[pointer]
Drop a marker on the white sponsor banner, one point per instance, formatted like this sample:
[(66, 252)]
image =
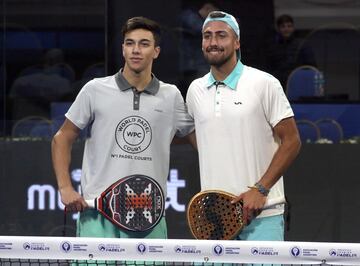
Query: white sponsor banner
[(179, 250)]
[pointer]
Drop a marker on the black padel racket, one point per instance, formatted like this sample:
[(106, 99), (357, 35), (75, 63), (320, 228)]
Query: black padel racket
[(211, 215), (134, 203)]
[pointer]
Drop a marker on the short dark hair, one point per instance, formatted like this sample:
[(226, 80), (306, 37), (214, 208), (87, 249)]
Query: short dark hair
[(284, 19), (142, 23)]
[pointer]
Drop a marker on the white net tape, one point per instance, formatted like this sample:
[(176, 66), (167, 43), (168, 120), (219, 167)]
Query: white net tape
[(177, 251)]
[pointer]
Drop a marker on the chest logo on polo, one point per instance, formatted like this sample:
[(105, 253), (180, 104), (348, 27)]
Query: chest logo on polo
[(133, 134)]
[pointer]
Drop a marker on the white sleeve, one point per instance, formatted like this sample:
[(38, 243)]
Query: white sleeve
[(184, 122), (189, 100), (275, 103), (81, 111)]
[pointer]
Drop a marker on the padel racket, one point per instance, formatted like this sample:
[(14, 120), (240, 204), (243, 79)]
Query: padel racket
[(211, 215), (134, 203)]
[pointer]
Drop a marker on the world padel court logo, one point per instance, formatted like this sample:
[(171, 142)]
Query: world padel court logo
[(133, 134)]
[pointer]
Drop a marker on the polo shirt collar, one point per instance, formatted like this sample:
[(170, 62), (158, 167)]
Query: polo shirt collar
[(231, 80), (152, 88)]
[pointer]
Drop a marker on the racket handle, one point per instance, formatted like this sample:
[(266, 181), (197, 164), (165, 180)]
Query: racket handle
[(91, 203), (271, 203)]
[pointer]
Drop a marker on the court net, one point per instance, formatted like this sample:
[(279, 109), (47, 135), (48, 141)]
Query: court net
[(21, 250)]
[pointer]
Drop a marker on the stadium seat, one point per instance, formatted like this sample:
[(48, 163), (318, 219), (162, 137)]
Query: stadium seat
[(304, 82), (330, 129), (308, 130), (32, 126)]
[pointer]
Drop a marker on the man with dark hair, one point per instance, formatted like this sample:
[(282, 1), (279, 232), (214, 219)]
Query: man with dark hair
[(285, 26), (145, 24), (286, 51), (103, 104), (245, 130)]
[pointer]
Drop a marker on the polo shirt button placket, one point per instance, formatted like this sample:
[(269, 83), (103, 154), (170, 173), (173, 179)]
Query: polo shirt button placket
[(218, 102), (136, 99)]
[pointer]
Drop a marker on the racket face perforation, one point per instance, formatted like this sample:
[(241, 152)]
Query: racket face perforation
[(211, 215), (134, 203)]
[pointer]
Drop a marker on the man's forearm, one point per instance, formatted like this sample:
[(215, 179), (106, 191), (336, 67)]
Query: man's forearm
[(61, 157), (281, 161)]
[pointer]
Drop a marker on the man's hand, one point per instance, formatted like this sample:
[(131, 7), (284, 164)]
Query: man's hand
[(72, 200), (253, 203)]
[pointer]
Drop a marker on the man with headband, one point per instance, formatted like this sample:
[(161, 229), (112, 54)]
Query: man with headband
[(245, 130)]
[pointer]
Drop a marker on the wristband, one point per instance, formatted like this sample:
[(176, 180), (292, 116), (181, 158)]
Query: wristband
[(264, 191)]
